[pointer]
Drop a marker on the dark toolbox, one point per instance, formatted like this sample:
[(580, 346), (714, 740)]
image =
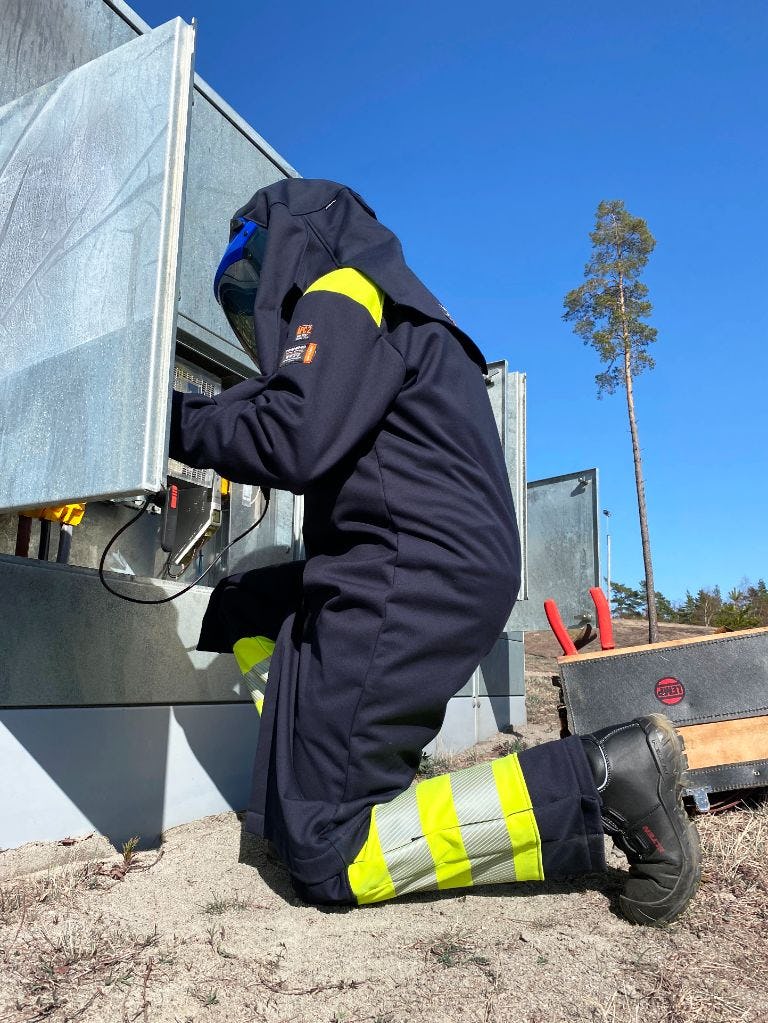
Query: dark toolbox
[(714, 689)]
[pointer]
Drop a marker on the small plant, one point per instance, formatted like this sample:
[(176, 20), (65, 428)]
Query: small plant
[(220, 904), (448, 951), (123, 979), (215, 938), (515, 744), (456, 948), (129, 849), (207, 998), (12, 901), (433, 765)]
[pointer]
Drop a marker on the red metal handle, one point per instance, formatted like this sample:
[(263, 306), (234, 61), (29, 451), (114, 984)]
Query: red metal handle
[(604, 624), (556, 624)]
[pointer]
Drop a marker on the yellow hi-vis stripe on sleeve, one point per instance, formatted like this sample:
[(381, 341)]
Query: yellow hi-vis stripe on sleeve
[(251, 650), (354, 285), (443, 833), (368, 876), (521, 822)]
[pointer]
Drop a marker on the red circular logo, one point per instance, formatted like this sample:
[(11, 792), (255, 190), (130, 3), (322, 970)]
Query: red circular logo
[(670, 691)]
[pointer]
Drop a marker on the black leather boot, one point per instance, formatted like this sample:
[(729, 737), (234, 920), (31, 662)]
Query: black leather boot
[(639, 771)]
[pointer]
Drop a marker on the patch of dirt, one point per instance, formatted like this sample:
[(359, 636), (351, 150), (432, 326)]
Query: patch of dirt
[(211, 931)]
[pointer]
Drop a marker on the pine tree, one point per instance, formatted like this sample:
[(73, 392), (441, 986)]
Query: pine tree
[(626, 602), (607, 312)]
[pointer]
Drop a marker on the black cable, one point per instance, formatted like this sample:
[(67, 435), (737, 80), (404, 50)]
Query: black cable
[(165, 600), (65, 544), (44, 550)]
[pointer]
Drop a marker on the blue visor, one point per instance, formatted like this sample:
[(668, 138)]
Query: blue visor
[(237, 281)]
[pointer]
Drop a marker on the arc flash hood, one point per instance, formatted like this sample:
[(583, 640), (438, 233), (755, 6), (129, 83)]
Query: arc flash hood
[(313, 227)]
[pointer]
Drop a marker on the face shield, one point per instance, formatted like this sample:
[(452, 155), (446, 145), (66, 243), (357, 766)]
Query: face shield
[(237, 280)]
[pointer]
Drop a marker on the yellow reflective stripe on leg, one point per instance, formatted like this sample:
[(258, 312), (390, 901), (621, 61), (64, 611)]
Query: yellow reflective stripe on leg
[(355, 285), (252, 650), (521, 822), (368, 876), (443, 833)]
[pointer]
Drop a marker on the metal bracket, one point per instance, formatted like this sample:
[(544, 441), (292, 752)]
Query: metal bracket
[(700, 797)]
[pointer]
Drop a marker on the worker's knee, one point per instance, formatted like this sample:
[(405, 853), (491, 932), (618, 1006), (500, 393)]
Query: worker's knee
[(334, 891)]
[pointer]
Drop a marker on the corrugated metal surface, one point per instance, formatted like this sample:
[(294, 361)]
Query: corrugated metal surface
[(91, 196)]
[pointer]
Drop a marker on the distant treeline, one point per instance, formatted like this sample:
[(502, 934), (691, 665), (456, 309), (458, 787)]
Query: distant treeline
[(745, 607)]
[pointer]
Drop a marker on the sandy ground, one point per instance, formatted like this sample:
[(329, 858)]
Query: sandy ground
[(208, 929)]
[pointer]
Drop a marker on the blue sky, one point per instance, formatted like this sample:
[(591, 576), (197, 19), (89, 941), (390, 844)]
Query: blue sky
[(485, 134)]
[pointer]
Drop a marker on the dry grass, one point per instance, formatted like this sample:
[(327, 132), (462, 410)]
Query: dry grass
[(56, 961), (445, 762), (710, 966), (61, 967)]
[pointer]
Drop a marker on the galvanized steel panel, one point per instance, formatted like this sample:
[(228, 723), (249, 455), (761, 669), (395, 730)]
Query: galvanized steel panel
[(563, 550), (105, 651), (41, 40), (507, 395), (224, 171), (471, 719), (91, 193), (227, 160), (501, 671), (121, 771), (270, 543)]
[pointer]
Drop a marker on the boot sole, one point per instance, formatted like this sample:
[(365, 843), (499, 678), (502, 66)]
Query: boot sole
[(668, 750)]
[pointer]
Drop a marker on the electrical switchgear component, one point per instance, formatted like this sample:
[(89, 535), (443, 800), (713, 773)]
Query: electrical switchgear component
[(190, 380), (192, 510), (197, 519)]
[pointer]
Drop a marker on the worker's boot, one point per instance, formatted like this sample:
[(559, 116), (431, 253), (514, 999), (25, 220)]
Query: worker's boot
[(639, 772)]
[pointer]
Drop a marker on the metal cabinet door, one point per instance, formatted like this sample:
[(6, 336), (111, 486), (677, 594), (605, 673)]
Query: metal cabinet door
[(563, 550), (92, 172)]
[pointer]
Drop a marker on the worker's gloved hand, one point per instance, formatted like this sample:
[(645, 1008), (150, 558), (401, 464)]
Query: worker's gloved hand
[(639, 771)]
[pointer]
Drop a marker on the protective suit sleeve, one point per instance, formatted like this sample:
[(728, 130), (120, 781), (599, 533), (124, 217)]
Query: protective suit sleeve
[(337, 376)]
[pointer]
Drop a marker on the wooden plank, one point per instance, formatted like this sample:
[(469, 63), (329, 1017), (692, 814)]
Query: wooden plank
[(645, 647), (726, 742)]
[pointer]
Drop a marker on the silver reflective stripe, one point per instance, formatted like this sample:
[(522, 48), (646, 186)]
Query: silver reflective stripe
[(483, 826), (403, 845), (256, 681), (261, 670)]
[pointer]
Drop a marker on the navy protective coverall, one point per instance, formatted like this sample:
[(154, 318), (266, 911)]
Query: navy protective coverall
[(372, 403)]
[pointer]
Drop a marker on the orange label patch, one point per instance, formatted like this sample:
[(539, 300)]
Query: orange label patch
[(310, 352), (303, 331)]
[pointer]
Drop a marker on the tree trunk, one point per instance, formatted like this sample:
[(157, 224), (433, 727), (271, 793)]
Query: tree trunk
[(650, 589)]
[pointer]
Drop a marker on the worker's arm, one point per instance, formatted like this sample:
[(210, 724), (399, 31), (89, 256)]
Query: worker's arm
[(321, 402), (244, 389)]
